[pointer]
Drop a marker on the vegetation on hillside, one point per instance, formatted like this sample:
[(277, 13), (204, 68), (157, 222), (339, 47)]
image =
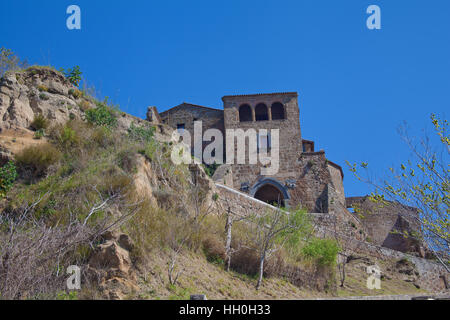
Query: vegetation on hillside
[(60, 196)]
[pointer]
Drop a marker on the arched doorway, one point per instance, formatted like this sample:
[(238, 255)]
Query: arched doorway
[(272, 192), (270, 195)]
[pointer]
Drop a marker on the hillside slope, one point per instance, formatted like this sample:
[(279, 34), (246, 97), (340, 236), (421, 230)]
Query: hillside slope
[(97, 188)]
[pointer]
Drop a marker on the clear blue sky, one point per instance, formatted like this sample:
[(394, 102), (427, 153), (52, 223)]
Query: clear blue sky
[(356, 86)]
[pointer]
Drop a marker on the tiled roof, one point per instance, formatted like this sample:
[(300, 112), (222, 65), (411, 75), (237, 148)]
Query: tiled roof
[(190, 105), (261, 94)]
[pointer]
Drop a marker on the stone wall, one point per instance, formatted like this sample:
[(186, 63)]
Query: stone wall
[(240, 203), (289, 135), (432, 276), (386, 224), (187, 114)]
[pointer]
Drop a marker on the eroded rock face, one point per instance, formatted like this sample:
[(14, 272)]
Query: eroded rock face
[(112, 266), (45, 91), (38, 90)]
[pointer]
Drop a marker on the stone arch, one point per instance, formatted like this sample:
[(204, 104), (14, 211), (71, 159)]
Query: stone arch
[(271, 191), (245, 113), (278, 112), (261, 112)]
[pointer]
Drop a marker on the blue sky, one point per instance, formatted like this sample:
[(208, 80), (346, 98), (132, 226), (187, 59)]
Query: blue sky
[(356, 85)]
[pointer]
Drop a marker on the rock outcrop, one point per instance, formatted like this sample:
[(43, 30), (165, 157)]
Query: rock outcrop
[(112, 268)]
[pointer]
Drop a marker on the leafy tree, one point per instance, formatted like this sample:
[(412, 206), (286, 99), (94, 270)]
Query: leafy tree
[(9, 61), (275, 229), (322, 251), (421, 182)]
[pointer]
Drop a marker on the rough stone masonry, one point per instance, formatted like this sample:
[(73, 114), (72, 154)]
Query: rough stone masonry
[(306, 178)]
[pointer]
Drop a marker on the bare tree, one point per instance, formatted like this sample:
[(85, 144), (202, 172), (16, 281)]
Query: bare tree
[(423, 183), (32, 253)]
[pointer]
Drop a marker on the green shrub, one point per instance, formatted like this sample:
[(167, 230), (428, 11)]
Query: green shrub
[(211, 169), (73, 75), (39, 122), (68, 137), (36, 160), (321, 251), (77, 94), (102, 116), (127, 161), (43, 96), (42, 88), (102, 137), (39, 134), (8, 175), (144, 134), (214, 249), (84, 105)]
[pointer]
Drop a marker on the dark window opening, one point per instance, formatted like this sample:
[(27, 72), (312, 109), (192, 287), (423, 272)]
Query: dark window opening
[(278, 111), (180, 126), (271, 195), (245, 113), (261, 112)]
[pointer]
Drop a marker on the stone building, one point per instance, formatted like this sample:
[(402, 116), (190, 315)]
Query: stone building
[(305, 177)]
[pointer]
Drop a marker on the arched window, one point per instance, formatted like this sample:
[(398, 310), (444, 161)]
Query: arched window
[(261, 112), (278, 111), (245, 113)]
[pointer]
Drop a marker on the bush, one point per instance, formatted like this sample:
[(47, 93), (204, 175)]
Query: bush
[(42, 88), (73, 75), (127, 161), (36, 160), (143, 134), (43, 96), (39, 134), (84, 105), (68, 137), (214, 250), (39, 123), (101, 116), (211, 169), (8, 175), (323, 252), (75, 93), (9, 61), (102, 137)]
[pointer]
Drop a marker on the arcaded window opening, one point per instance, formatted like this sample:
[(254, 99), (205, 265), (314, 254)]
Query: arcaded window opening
[(261, 112), (278, 111), (245, 113)]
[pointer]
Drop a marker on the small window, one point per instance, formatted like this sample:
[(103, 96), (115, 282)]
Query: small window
[(245, 113), (180, 127), (261, 112), (278, 111)]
